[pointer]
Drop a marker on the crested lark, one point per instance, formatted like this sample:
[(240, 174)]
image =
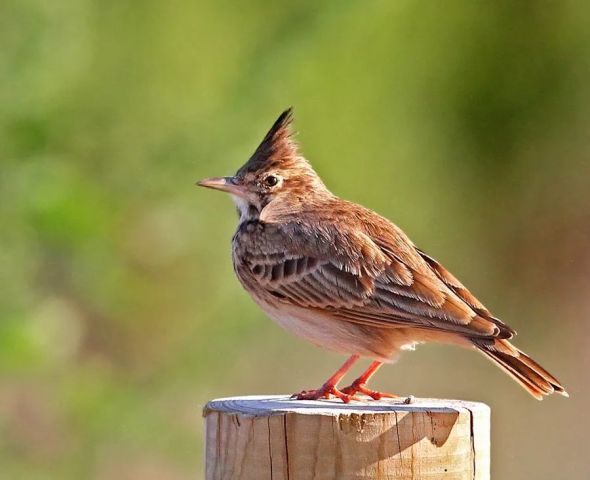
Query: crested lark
[(347, 279)]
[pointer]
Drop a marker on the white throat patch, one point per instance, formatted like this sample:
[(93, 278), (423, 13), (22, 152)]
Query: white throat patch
[(243, 207)]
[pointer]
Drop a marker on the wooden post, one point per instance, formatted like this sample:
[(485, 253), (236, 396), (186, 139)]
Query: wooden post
[(276, 438)]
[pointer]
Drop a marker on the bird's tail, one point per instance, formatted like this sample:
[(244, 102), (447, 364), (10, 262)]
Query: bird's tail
[(528, 373)]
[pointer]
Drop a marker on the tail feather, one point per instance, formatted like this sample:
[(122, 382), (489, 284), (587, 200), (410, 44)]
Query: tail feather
[(528, 373)]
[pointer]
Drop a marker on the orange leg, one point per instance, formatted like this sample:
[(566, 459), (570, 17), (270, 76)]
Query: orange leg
[(329, 388), (360, 384)]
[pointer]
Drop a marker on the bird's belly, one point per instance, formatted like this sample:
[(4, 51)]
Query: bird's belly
[(336, 334)]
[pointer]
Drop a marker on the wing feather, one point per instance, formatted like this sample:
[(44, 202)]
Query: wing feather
[(376, 278)]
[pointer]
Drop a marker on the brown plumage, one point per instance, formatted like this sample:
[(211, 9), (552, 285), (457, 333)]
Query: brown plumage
[(347, 279)]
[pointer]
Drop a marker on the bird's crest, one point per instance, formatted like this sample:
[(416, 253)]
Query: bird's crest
[(277, 146)]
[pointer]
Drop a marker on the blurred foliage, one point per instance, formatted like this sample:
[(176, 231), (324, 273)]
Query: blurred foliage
[(465, 122)]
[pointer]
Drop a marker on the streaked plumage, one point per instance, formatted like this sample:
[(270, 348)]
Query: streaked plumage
[(347, 279)]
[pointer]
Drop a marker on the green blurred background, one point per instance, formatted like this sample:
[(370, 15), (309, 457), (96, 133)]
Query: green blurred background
[(467, 123)]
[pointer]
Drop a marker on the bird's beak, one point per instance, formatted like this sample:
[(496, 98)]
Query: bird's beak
[(225, 184)]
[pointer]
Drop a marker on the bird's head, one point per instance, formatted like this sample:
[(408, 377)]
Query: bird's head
[(275, 173)]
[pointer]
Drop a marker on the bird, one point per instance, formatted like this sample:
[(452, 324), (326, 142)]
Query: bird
[(349, 280)]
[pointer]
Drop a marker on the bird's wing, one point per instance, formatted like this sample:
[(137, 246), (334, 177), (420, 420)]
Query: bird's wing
[(376, 278)]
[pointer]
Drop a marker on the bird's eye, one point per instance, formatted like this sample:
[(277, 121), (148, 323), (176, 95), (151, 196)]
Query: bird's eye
[(271, 181)]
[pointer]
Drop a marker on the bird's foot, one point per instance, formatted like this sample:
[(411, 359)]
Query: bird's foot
[(360, 387), (326, 391)]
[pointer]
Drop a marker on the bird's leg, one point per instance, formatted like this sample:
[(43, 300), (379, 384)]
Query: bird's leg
[(329, 388), (360, 384)]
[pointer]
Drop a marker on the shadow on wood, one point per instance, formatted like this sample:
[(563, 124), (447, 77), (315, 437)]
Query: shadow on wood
[(278, 438)]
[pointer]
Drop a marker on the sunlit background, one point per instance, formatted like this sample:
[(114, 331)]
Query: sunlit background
[(467, 123)]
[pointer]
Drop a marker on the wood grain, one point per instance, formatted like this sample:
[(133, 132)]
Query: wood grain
[(276, 438)]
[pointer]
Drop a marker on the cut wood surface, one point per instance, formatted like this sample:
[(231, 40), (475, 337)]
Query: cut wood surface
[(277, 438)]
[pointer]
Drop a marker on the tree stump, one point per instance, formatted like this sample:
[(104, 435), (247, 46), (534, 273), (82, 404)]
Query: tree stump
[(277, 438)]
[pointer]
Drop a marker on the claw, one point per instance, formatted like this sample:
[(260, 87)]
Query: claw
[(359, 387), (326, 391)]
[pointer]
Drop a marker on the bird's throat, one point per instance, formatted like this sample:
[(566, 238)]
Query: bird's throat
[(246, 210)]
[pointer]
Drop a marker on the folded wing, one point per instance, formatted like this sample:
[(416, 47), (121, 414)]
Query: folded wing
[(376, 280)]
